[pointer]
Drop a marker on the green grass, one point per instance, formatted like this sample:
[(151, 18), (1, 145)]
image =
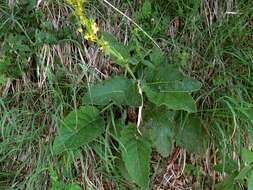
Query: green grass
[(46, 68)]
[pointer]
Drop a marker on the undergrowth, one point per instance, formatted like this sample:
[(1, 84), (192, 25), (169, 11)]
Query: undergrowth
[(126, 94)]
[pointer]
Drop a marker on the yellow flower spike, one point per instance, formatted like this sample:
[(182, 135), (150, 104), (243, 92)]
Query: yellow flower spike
[(90, 26), (90, 37), (94, 28), (83, 20)]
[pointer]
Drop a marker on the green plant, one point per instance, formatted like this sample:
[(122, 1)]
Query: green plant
[(152, 81)]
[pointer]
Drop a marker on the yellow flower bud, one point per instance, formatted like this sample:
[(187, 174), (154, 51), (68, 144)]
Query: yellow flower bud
[(90, 37), (95, 28), (80, 30)]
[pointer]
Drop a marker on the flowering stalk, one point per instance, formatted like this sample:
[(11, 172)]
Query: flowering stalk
[(91, 30)]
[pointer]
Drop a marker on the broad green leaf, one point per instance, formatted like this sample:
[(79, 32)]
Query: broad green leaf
[(119, 90), (247, 156), (244, 172), (227, 183), (161, 137), (192, 136), (250, 181), (163, 72), (160, 131), (173, 100), (157, 57), (118, 51), (148, 64), (186, 84), (121, 169), (79, 128), (136, 153), (168, 78), (72, 186)]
